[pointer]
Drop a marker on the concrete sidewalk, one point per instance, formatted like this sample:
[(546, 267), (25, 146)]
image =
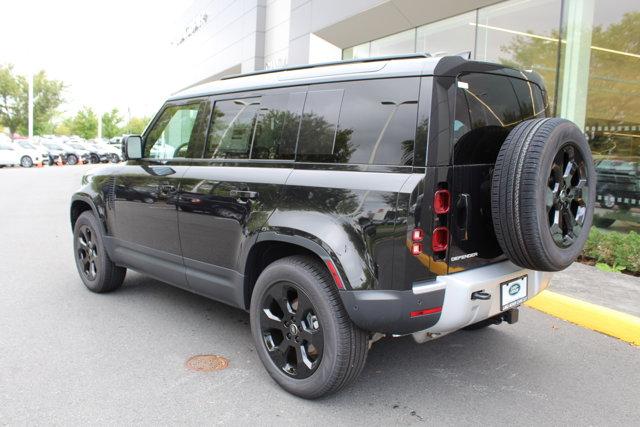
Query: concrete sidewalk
[(616, 291)]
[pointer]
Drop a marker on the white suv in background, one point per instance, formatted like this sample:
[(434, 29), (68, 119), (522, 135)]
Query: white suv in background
[(29, 153), (8, 155)]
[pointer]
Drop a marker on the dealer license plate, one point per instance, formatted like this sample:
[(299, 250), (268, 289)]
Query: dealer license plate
[(513, 293)]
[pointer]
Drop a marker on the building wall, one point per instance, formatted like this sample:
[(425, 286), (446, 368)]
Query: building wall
[(586, 50)]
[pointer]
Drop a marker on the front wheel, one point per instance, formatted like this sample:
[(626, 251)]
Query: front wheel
[(26, 162), (94, 159), (115, 158), (72, 159), (98, 273), (303, 335)]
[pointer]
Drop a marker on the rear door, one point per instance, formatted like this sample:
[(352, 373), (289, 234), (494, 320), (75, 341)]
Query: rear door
[(487, 107), (230, 192)]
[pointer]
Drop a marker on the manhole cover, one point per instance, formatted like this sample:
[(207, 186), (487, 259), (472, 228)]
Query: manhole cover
[(207, 363)]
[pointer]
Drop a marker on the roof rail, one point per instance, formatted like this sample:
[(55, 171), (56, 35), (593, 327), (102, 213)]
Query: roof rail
[(325, 64)]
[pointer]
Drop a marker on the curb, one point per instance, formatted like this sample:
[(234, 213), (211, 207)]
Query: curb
[(601, 319)]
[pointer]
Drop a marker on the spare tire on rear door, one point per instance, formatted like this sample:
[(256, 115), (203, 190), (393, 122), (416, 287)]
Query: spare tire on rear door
[(542, 194)]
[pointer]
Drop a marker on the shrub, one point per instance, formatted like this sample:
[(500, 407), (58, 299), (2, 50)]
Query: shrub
[(617, 250)]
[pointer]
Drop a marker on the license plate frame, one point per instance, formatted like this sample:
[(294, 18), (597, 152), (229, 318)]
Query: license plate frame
[(509, 298)]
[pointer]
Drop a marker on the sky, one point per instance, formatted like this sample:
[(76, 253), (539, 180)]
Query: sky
[(112, 53)]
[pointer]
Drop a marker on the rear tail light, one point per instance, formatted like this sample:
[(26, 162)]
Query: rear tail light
[(441, 202), (440, 239), (417, 236), (417, 248)]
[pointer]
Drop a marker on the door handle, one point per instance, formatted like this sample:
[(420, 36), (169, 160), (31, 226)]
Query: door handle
[(243, 194)]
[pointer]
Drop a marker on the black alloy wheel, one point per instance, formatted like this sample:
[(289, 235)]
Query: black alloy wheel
[(291, 331), (567, 195), (303, 335), (87, 252), (98, 273)]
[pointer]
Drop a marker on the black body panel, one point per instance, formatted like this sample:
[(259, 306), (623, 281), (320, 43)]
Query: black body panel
[(206, 224)]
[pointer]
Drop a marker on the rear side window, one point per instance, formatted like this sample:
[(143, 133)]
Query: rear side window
[(487, 107), (231, 129), (318, 140), (364, 122), (277, 126)]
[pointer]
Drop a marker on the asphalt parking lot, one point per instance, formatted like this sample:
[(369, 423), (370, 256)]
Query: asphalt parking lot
[(68, 356)]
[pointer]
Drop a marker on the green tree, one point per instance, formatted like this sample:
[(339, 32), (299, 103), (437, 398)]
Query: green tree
[(14, 98), (64, 127), (85, 123), (47, 98), (136, 125), (13, 111), (111, 122)]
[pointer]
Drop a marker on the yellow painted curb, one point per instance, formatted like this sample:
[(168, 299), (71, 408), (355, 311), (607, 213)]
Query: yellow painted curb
[(610, 322)]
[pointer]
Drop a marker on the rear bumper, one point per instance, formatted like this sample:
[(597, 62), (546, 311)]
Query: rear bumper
[(459, 310), (389, 312)]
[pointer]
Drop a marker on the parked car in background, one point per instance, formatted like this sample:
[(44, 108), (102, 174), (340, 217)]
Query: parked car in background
[(9, 156), (29, 154), (95, 155), (55, 152), (113, 153), (75, 154), (617, 191)]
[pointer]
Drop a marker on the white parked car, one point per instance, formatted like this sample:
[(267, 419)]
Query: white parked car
[(9, 156), (113, 153), (30, 154)]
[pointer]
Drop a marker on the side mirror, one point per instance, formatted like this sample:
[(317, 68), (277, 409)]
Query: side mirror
[(132, 147)]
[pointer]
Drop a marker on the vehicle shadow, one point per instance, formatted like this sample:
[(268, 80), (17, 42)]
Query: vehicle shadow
[(453, 367)]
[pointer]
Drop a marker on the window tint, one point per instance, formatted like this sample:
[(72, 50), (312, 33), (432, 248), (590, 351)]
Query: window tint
[(365, 122), (487, 107), (379, 119), (318, 142), (277, 127), (231, 130), (179, 129)]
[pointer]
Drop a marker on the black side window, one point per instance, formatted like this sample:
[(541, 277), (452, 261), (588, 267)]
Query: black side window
[(487, 107), (231, 129), (379, 117), (178, 132), (364, 122), (277, 127), (318, 142)]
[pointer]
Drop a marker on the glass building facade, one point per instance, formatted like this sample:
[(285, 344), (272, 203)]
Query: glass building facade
[(588, 52)]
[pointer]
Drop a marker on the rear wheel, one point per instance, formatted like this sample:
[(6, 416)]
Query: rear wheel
[(98, 273), (72, 159), (303, 334), (94, 158), (26, 162)]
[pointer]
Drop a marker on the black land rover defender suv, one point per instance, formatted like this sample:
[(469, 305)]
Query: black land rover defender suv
[(341, 202)]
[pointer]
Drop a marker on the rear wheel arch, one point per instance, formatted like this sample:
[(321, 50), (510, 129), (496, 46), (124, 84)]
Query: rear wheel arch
[(273, 247)]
